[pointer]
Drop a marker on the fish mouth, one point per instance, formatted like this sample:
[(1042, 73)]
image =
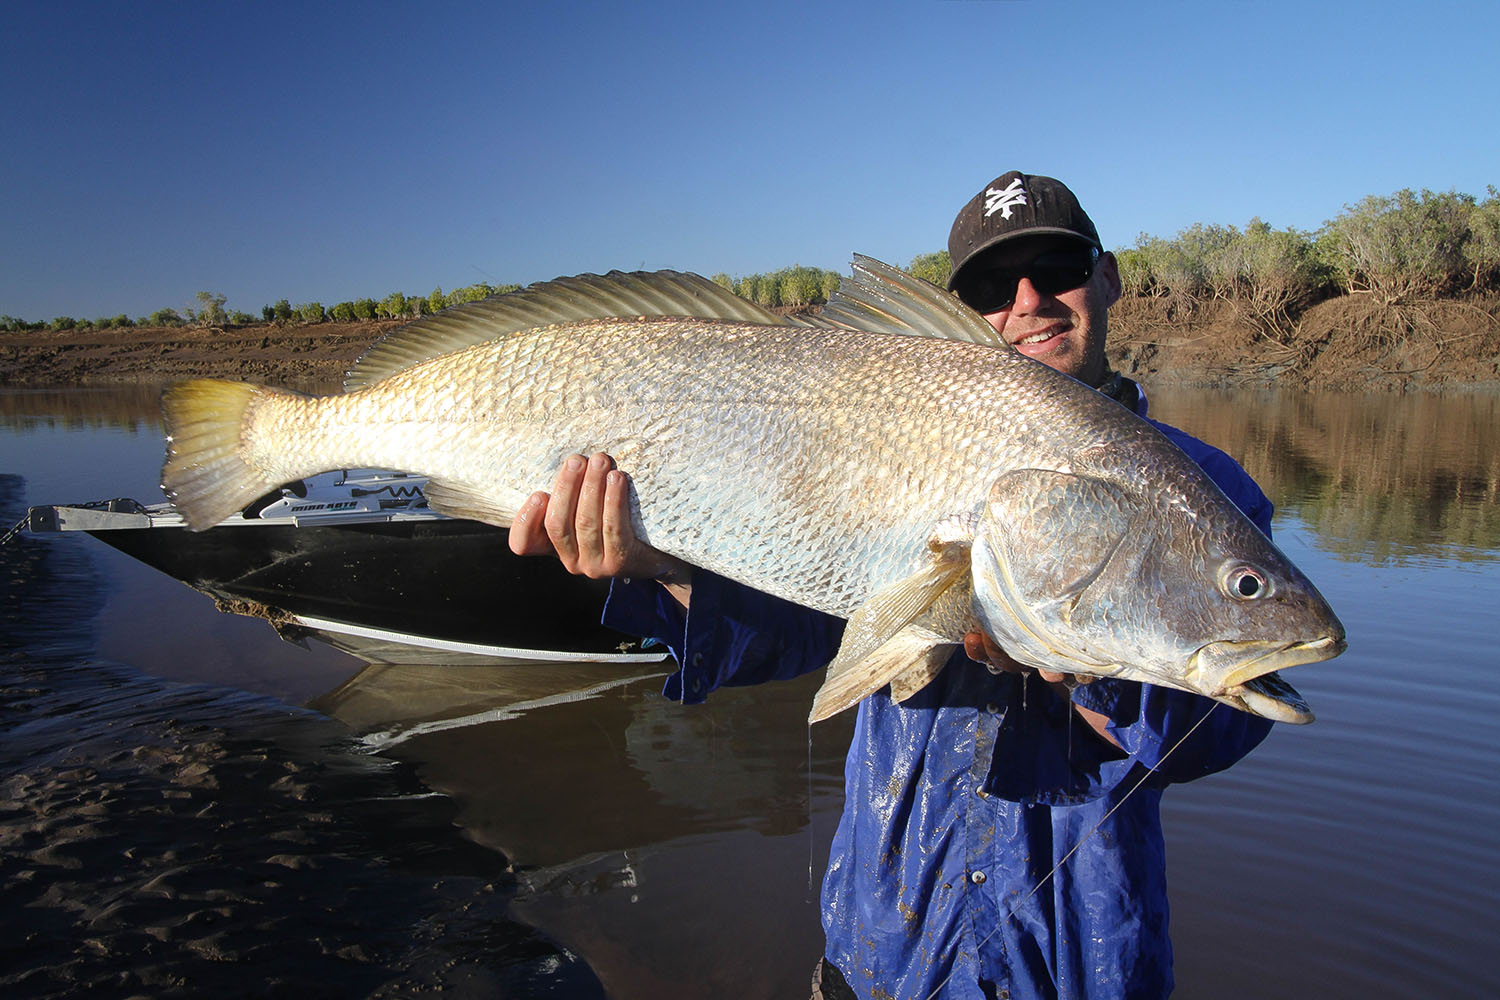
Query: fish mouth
[(1219, 666)]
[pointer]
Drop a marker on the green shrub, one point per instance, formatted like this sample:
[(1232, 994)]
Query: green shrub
[(764, 290), (210, 310), (800, 286), (1482, 251), (1135, 272), (1169, 270), (794, 287), (473, 293), (831, 281), (1406, 244), (1271, 273), (933, 267), (393, 306)]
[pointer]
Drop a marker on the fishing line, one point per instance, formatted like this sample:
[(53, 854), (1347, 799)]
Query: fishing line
[(1082, 840), (811, 840)]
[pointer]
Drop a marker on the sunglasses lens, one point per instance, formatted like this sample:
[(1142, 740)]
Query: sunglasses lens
[(996, 290), (1056, 280), (991, 292)]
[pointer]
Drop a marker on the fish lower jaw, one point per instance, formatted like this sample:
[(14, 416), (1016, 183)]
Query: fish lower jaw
[(1271, 697)]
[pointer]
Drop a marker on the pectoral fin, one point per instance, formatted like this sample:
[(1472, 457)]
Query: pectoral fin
[(908, 661), (926, 662), (857, 671)]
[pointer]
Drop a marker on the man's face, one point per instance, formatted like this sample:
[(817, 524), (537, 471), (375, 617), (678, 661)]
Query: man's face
[(1064, 327)]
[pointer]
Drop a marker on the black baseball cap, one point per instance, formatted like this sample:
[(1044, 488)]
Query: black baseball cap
[(1014, 205)]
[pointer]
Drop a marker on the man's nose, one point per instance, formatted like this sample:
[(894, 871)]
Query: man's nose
[(1027, 297)]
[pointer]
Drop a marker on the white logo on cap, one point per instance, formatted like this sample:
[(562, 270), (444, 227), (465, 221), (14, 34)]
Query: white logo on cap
[(1004, 201)]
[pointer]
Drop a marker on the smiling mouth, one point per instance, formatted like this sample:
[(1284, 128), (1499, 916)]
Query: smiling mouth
[(1041, 336)]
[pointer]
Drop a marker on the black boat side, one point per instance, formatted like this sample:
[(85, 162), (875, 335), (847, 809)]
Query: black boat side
[(416, 585)]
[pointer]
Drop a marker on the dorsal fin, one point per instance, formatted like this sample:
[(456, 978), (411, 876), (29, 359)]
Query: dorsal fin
[(883, 299), (563, 300)]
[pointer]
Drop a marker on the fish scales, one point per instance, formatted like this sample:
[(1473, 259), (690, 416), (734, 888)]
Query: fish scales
[(810, 463)]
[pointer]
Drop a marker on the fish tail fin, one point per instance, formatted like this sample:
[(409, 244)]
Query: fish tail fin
[(206, 475)]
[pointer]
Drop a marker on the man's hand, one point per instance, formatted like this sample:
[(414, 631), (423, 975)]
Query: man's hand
[(585, 522), (982, 649)]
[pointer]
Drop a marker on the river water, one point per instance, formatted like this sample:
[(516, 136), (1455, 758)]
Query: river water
[(194, 807)]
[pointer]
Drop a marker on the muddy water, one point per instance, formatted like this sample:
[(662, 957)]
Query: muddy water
[(191, 806)]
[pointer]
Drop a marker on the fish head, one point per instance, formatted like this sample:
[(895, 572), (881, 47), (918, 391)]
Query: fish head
[(1095, 575)]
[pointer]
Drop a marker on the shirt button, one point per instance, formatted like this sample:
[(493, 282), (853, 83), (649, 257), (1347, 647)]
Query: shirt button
[(697, 659), (977, 878), (992, 708)]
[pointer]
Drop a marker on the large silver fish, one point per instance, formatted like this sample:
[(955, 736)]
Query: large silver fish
[(921, 486)]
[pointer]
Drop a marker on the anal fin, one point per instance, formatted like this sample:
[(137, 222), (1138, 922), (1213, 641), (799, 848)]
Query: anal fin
[(457, 500)]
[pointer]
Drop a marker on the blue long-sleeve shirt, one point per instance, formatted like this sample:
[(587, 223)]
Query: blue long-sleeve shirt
[(960, 801)]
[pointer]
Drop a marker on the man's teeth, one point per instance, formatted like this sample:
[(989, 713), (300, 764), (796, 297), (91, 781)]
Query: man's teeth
[(1035, 338)]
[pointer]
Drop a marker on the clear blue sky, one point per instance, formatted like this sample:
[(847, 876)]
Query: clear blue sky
[(327, 151)]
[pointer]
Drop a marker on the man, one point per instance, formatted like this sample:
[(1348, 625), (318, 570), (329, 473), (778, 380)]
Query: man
[(950, 872)]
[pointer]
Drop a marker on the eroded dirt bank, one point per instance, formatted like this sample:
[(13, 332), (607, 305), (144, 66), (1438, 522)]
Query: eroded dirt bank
[(1347, 343), (1350, 343), (297, 356)]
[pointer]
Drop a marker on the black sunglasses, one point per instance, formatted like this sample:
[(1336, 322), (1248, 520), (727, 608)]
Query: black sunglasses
[(1051, 274)]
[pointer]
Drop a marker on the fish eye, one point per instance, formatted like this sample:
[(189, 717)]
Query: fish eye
[(1246, 583)]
